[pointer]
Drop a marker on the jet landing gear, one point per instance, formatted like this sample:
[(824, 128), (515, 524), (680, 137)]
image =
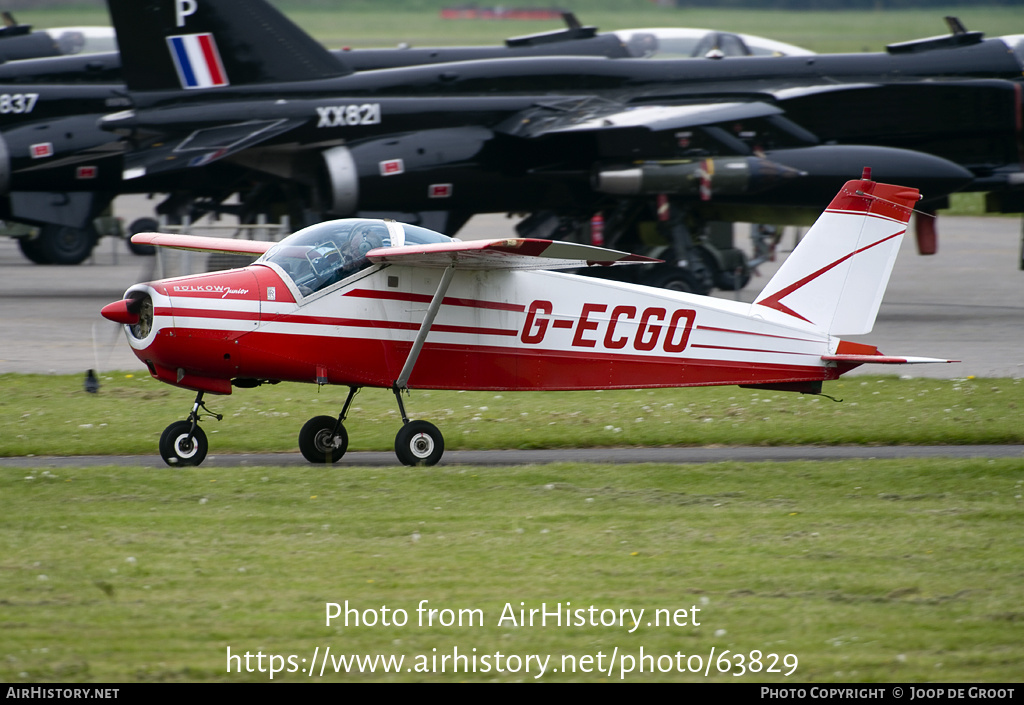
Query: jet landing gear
[(183, 443)]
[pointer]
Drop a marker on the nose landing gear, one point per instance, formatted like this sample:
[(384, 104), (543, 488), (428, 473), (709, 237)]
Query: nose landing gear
[(183, 443)]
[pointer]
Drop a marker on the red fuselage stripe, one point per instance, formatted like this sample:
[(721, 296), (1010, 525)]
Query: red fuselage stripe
[(750, 332), (325, 321), (425, 299)]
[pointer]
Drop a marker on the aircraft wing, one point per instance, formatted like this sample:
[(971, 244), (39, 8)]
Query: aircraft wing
[(198, 243), (600, 115), (202, 146), (513, 253)]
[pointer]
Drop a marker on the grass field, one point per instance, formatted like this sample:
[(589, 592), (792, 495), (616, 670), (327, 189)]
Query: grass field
[(904, 571), (52, 415), (854, 571)]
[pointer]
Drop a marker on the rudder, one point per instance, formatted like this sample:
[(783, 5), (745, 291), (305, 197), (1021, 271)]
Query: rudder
[(835, 279), (197, 44)]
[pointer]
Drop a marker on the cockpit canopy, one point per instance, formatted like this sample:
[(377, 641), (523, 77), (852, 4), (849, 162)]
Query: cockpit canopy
[(681, 43), (325, 253)]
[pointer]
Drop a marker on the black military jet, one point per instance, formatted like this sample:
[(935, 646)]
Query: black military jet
[(66, 96), (19, 41), (230, 94)]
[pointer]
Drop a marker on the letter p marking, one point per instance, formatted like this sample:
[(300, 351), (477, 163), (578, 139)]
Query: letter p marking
[(182, 9)]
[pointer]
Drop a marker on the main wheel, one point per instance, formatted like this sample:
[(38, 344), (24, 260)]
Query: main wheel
[(319, 443), (675, 279), (62, 244), (142, 225), (30, 248), (178, 448), (731, 273), (419, 443)]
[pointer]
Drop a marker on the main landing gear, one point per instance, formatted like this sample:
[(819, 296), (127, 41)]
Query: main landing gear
[(323, 439), (183, 443)]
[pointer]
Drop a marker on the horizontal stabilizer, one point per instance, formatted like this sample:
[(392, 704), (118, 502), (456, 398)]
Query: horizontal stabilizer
[(198, 243), (883, 359), (513, 253)]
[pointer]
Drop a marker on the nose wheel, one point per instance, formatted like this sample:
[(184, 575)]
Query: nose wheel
[(183, 443)]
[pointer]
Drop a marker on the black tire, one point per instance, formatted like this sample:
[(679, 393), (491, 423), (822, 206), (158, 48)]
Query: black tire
[(317, 443), (730, 281), (61, 244), (142, 225), (178, 449), (675, 279), (419, 443), (30, 248), (733, 274)]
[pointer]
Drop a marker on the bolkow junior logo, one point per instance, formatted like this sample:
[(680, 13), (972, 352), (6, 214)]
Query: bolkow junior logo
[(224, 291)]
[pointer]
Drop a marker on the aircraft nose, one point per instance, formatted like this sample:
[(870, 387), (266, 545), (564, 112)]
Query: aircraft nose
[(135, 310), (121, 312)]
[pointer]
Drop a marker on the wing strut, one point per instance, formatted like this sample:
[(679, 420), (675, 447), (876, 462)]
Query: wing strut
[(421, 336)]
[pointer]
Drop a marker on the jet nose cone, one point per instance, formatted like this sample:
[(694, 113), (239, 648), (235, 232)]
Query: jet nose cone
[(120, 312)]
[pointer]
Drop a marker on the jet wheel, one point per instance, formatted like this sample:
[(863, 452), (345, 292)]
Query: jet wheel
[(179, 448), (142, 225), (319, 443), (30, 248), (419, 443)]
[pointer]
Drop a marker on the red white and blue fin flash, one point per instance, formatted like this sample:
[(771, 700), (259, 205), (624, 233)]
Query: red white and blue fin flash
[(197, 61)]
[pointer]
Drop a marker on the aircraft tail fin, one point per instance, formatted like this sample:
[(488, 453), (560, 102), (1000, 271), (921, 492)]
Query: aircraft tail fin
[(201, 44), (835, 279)]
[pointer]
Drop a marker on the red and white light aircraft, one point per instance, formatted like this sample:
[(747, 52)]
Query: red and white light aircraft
[(374, 303)]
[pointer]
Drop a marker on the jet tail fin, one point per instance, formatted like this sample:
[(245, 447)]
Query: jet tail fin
[(198, 44), (835, 278)]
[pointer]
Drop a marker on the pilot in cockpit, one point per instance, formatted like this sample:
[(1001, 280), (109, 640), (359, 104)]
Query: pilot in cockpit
[(323, 254)]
